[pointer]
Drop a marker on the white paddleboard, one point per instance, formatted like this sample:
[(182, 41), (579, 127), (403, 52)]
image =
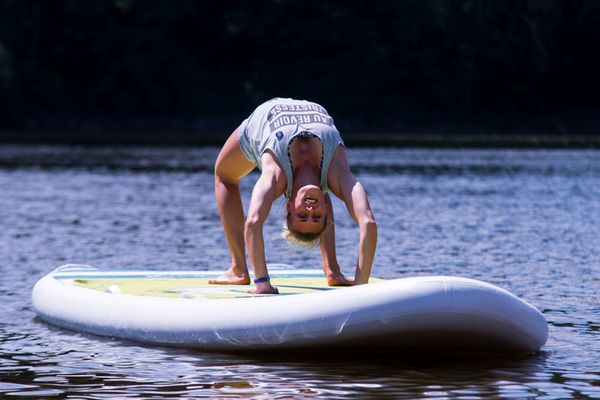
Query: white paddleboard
[(179, 308)]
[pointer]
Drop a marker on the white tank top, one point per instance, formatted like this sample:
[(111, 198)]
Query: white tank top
[(275, 123)]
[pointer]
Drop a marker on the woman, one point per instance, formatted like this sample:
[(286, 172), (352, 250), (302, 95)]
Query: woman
[(301, 154)]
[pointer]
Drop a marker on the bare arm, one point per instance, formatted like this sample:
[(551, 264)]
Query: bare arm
[(363, 216), (331, 268), (268, 187), (349, 189), (327, 244), (262, 198)]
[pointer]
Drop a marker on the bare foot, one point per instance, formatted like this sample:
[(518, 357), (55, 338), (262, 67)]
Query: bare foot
[(230, 278), (339, 280), (264, 288)]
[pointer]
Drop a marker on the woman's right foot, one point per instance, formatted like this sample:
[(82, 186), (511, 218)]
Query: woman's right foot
[(231, 278), (339, 280)]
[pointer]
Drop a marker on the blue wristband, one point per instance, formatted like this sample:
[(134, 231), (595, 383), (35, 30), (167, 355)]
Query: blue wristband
[(262, 280)]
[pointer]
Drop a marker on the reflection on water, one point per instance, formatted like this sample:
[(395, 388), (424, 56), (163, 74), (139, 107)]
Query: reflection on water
[(528, 221), (87, 367)]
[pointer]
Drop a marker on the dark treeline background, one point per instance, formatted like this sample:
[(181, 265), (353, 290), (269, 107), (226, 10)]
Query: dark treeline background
[(447, 66)]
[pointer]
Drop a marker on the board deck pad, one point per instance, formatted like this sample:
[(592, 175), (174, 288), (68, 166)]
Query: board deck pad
[(187, 284)]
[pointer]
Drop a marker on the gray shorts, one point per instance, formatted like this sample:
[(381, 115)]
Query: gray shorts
[(244, 140)]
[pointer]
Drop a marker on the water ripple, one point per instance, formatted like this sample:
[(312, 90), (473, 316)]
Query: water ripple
[(528, 221)]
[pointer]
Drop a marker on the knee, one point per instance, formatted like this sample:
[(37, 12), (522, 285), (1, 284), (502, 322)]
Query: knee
[(224, 180), (220, 173), (224, 173)]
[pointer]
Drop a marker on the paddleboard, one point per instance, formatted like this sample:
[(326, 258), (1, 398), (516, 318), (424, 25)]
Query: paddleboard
[(180, 308)]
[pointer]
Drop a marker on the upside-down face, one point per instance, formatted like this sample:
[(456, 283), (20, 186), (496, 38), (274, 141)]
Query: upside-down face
[(306, 210)]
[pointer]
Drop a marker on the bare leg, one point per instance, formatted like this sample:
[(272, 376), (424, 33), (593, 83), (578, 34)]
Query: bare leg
[(331, 268), (231, 166)]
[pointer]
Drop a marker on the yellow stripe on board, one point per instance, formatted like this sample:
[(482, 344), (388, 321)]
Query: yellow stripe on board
[(199, 287)]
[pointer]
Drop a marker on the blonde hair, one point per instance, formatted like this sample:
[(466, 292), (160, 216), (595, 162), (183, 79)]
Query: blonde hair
[(308, 240)]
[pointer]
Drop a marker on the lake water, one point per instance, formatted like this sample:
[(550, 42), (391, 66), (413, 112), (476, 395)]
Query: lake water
[(528, 221)]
